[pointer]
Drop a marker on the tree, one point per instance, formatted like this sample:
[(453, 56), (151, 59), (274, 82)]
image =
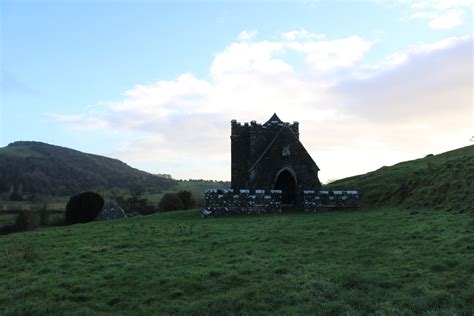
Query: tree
[(187, 198)]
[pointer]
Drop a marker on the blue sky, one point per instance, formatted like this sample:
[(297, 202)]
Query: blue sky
[(156, 83)]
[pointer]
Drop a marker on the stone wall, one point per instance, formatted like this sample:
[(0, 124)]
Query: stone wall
[(226, 202), (328, 200)]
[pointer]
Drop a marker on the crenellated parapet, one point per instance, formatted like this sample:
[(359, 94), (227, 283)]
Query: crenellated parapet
[(243, 201), (247, 128), (314, 201), (228, 202)]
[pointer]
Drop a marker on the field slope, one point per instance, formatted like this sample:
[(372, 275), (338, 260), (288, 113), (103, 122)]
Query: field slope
[(384, 261), (443, 182)]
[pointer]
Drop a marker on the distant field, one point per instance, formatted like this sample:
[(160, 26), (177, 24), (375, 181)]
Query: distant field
[(384, 261), (197, 189), (6, 218), (59, 203), (53, 204)]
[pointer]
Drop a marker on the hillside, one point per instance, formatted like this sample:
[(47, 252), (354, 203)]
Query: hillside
[(444, 181), (39, 168)]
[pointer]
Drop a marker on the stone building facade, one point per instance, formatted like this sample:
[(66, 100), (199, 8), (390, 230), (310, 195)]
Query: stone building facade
[(270, 156)]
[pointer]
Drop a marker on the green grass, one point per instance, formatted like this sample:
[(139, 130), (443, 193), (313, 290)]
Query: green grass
[(6, 218), (442, 182), (21, 151), (53, 204), (383, 261)]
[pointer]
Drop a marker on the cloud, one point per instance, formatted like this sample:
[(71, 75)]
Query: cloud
[(301, 34), (247, 35), (333, 54), (411, 104), (441, 14)]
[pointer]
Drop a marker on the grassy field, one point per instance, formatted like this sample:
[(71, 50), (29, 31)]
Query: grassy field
[(381, 261)]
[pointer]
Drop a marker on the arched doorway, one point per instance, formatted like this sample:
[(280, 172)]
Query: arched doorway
[(286, 182)]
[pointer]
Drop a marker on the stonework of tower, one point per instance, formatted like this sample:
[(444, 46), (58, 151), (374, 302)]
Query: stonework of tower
[(270, 156)]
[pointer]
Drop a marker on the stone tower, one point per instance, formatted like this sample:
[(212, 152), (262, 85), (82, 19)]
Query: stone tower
[(270, 156)]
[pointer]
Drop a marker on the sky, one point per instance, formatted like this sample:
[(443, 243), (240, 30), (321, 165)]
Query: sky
[(156, 83)]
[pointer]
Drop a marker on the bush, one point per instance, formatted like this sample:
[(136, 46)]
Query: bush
[(182, 200), (170, 202), (44, 215), (27, 220), (135, 204), (83, 208), (187, 198)]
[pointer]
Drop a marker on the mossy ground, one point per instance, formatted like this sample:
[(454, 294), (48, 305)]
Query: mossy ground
[(382, 261)]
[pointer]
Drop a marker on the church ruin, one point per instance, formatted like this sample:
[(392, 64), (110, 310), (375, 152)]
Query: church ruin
[(270, 156)]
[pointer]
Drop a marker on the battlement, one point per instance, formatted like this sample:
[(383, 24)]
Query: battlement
[(247, 128), (245, 201)]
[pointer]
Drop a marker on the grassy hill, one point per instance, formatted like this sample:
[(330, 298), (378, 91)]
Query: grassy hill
[(39, 168), (443, 182), (381, 261)]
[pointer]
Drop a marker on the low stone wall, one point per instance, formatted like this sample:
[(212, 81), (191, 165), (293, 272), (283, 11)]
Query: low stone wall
[(226, 202), (329, 200)]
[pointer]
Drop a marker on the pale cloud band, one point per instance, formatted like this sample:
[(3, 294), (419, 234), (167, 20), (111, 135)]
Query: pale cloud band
[(354, 117), (441, 14)]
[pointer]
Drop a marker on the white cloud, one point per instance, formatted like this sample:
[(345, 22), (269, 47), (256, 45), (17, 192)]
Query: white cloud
[(441, 14), (247, 57), (446, 21), (247, 35), (301, 34), (413, 104), (332, 54)]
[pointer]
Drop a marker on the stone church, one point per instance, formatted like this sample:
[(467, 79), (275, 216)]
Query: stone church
[(270, 156)]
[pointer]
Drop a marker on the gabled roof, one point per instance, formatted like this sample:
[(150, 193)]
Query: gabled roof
[(273, 120), (284, 129)]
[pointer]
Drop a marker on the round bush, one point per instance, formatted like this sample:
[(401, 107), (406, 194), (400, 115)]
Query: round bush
[(83, 208)]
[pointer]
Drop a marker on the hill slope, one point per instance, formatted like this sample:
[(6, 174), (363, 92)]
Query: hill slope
[(444, 181), (46, 169)]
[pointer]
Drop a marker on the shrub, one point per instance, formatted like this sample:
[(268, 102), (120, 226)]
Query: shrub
[(138, 204), (27, 220), (135, 204), (44, 215), (56, 220), (170, 202), (83, 208), (146, 209), (187, 198)]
